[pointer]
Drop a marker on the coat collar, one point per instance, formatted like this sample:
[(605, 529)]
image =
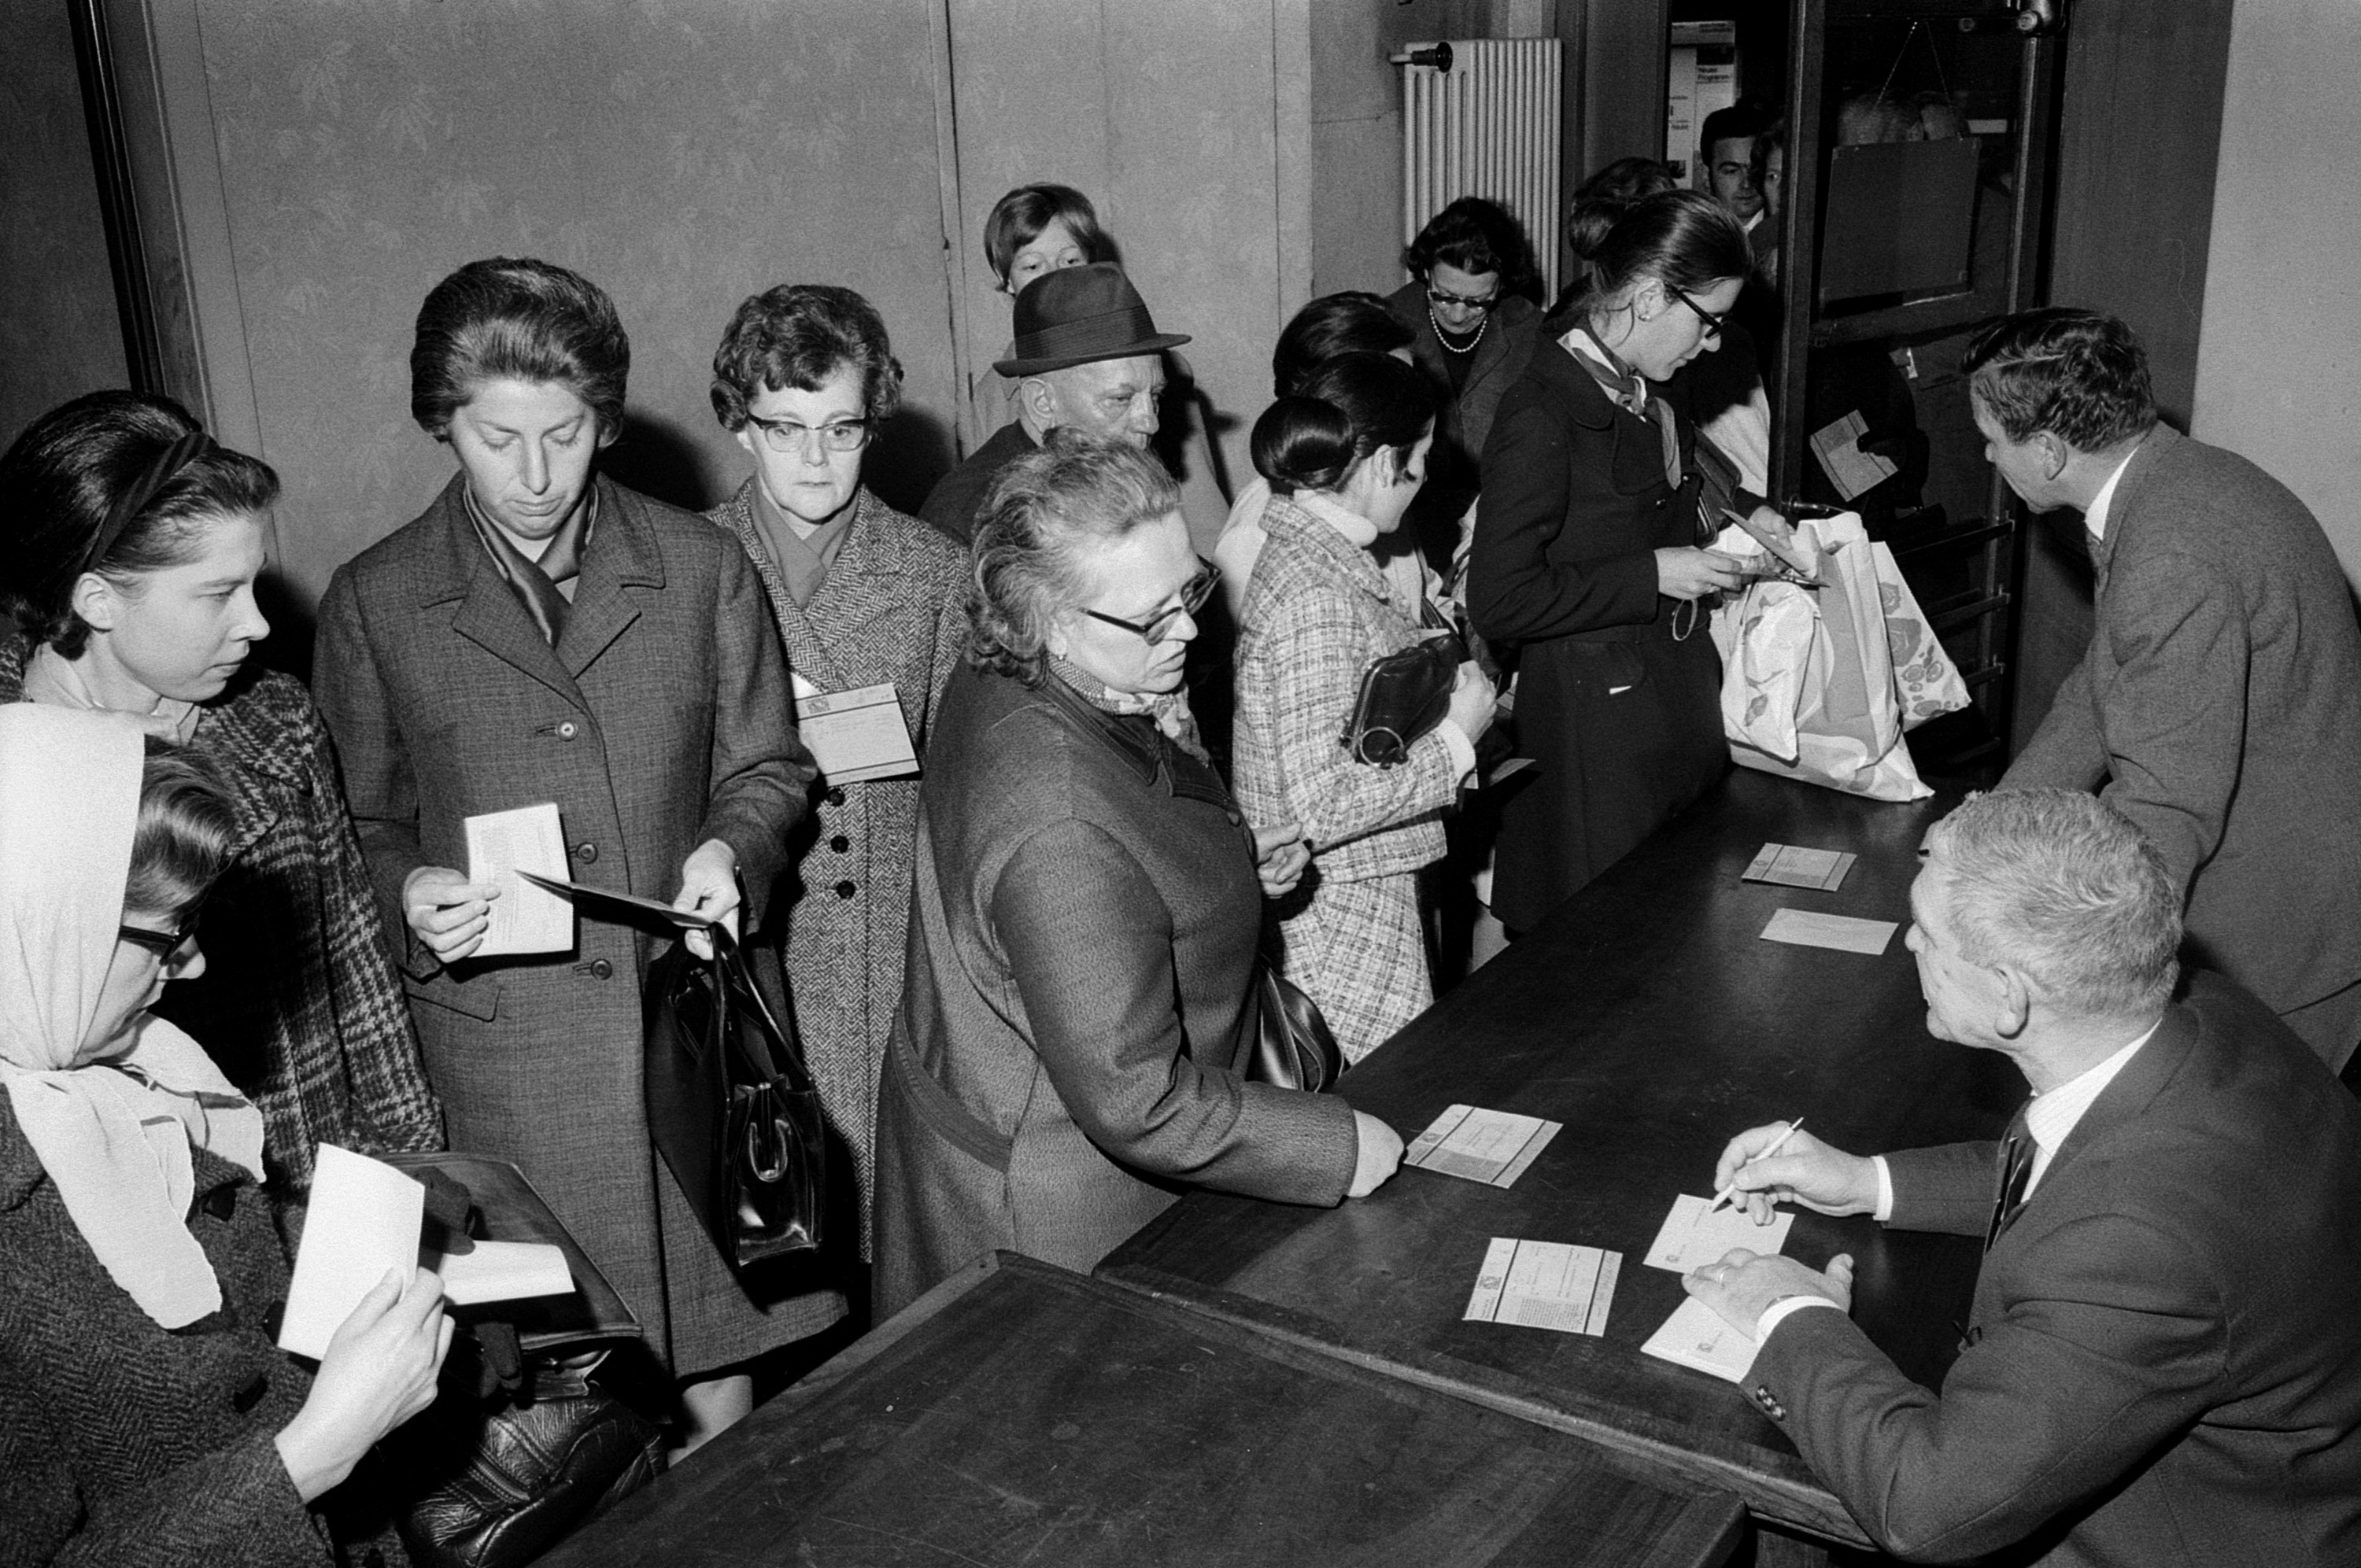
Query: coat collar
[(1288, 519), (1145, 751), (2139, 470), (2127, 1098), (1584, 399), (863, 584)]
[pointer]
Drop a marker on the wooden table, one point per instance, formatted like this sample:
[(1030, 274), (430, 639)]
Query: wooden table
[(1021, 1414), (1647, 1016)]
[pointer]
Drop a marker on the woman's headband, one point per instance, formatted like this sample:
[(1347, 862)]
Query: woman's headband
[(161, 470)]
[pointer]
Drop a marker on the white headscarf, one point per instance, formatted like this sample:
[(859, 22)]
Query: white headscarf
[(114, 1137)]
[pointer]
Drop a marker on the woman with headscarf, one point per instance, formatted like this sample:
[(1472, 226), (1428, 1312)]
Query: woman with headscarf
[(145, 1415)]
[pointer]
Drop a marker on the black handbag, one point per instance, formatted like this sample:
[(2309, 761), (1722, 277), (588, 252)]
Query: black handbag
[(1403, 696), (731, 1107), (1292, 1047)]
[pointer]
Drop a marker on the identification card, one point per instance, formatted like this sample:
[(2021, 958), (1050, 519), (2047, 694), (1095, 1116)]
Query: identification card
[(1490, 1146), (1696, 1336), (1692, 1236), (1793, 865), (503, 849), (855, 734), (1807, 928), (1545, 1285)]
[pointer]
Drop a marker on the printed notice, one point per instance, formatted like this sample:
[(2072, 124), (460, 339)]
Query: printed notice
[(504, 1271), (1692, 1237), (365, 1218), (1545, 1285), (856, 734), (501, 845), (1490, 1146), (1793, 865), (1805, 929), (1848, 468), (1696, 1336)]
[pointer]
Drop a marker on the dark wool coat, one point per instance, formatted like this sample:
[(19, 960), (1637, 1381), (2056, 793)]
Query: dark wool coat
[(1465, 424), (298, 1005), (123, 1443), (659, 721), (893, 608), (1082, 939), (956, 503), (1624, 720)]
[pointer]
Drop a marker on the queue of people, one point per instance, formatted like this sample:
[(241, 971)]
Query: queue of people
[(1025, 980)]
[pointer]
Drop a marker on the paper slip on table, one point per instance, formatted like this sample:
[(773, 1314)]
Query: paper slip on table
[(1019, 1414), (1647, 1016)]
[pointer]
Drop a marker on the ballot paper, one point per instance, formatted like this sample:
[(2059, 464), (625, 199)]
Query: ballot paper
[(1805, 929), (1691, 1237), (1793, 865), (1545, 1285), (504, 1271), (1696, 1335), (364, 1220), (1848, 468), (856, 734), (525, 918), (1490, 1146)]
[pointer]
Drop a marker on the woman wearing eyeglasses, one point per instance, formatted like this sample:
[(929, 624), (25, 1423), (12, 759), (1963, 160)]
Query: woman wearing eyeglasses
[(1588, 558), (1344, 455), (129, 548), (863, 596), (1087, 907)]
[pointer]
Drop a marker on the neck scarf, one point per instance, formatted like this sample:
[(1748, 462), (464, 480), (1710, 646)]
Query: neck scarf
[(1629, 389), (51, 678), (540, 585), (1169, 710), (114, 1137)]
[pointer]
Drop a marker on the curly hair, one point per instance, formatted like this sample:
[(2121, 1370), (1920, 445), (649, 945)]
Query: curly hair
[(515, 318), (1044, 513), (60, 484), (2079, 375), (1476, 236), (799, 334)]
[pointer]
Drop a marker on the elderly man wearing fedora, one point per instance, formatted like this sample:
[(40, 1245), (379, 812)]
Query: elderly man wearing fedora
[(1087, 354)]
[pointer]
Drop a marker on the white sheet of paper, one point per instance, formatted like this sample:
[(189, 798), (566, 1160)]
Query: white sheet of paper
[(1696, 1336), (1807, 928), (525, 918), (1490, 1146), (1691, 1238), (504, 1271), (855, 734), (1848, 468), (364, 1220), (1545, 1285), (1793, 865)]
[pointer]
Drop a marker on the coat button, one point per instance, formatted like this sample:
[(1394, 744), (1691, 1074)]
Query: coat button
[(1769, 1403), (841, 844), (835, 796), (586, 851), (844, 889), (601, 969), (569, 730)]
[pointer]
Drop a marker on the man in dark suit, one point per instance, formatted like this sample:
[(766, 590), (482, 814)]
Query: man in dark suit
[(2162, 1365), (2220, 701)]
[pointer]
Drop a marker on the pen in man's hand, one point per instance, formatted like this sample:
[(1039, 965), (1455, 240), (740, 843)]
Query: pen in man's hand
[(1727, 1193)]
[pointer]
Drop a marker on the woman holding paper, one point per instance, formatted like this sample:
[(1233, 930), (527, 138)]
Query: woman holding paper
[(129, 548), (145, 1415), (542, 635), (865, 598)]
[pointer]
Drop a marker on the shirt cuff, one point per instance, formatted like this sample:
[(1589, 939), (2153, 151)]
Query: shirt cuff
[(1786, 1307), (1462, 750), (1884, 1189)]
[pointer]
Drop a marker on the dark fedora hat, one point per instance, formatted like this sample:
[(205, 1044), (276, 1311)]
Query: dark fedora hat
[(1077, 315)]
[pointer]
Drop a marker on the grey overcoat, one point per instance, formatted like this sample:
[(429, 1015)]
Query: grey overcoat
[(660, 720)]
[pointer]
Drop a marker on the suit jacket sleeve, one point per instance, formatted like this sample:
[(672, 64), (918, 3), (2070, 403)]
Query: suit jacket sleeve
[(2107, 1344), (2065, 751), (1949, 1188), (1515, 592), (1090, 944), (762, 773)]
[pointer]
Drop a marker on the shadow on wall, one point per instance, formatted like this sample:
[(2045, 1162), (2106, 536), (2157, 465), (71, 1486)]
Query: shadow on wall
[(912, 452), (293, 626), (656, 457)]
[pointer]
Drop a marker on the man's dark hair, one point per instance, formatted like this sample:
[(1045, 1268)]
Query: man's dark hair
[(517, 319), (1749, 117), (2080, 375)]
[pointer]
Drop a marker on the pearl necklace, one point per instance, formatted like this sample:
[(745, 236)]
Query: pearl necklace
[(1445, 338)]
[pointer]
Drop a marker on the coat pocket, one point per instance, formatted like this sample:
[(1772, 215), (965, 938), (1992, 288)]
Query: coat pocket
[(478, 997), (1598, 671)]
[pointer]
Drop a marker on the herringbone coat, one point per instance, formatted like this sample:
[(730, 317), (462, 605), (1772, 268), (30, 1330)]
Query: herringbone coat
[(892, 608), (298, 1005)]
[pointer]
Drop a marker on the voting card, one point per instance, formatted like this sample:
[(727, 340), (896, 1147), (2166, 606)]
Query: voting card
[(501, 845), (1545, 1285), (855, 734), (1793, 865), (1490, 1146), (504, 1271), (365, 1218), (1696, 1336), (1692, 1236), (1807, 928)]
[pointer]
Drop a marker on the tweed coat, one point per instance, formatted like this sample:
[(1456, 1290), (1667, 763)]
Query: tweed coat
[(2162, 1365), (660, 720), (1082, 944), (892, 608), (1318, 611), (1622, 715), (124, 1442), (2220, 701), (298, 1005)]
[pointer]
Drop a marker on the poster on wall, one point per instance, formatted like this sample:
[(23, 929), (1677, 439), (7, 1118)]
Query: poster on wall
[(1702, 76)]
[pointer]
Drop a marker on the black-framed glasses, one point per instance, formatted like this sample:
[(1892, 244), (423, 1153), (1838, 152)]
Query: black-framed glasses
[(786, 435), (1435, 296), (1193, 595), (163, 944), (1713, 324)]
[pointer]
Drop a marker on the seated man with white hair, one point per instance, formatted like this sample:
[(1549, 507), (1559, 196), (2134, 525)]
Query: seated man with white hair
[(2163, 1362)]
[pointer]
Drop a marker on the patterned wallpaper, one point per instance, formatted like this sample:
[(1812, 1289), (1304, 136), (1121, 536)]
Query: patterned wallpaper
[(681, 153)]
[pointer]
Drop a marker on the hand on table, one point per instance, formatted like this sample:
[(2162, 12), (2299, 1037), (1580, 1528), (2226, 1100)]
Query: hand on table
[(1280, 857), (1743, 1285), (708, 887), (1377, 1154), (1805, 1171), (447, 912)]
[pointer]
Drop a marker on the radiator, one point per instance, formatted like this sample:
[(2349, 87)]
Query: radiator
[(1485, 125)]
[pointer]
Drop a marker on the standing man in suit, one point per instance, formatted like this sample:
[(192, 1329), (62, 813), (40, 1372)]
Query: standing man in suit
[(2162, 1365), (2220, 701), (541, 634)]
